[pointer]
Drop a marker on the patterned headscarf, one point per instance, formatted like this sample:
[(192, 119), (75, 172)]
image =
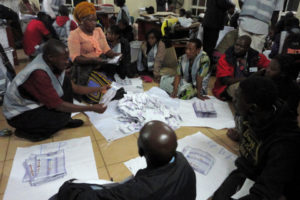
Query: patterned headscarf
[(84, 9)]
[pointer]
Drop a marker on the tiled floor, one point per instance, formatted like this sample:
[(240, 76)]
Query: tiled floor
[(109, 156)]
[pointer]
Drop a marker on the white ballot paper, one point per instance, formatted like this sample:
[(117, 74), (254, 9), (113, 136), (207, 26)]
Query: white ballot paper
[(108, 96), (244, 189), (114, 60), (79, 163), (138, 109), (134, 85), (210, 175), (112, 127)]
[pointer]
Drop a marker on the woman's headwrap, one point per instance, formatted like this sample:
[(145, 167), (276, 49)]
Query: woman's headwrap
[(84, 9)]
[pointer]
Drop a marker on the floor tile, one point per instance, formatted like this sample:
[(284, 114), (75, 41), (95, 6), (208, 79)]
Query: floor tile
[(186, 131), (119, 150), (137, 135), (221, 134), (4, 141), (19, 142), (4, 124), (5, 175), (103, 174), (71, 133), (97, 134), (2, 118), (97, 155), (1, 169), (148, 86), (118, 172)]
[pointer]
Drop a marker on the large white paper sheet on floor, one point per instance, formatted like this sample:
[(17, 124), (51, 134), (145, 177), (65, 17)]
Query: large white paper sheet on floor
[(107, 123), (206, 184), (80, 164), (224, 117)]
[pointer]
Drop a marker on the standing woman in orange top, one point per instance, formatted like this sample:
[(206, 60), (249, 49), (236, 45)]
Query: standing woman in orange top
[(86, 44)]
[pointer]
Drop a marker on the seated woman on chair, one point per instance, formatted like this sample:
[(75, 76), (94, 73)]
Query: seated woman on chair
[(151, 55), (86, 44)]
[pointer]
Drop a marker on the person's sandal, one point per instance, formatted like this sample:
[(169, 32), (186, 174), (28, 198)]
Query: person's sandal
[(233, 134), (5, 132)]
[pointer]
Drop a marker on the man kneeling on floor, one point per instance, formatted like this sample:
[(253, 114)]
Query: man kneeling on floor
[(269, 148), (168, 174), (39, 101)]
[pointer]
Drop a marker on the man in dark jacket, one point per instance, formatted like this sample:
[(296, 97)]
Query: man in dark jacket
[(238, 63), (168, 174), (213, 22), (269, 148)]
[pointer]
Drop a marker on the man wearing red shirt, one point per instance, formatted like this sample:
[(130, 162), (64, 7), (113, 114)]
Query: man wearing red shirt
[(238, 63), (34, 35), (38, 102)]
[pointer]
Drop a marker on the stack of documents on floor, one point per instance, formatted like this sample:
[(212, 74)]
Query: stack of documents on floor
[(204, 109), (211, 162), (43, 168), (75, 156), (108, 96), (138, 109), (109, 124), (134, 85)]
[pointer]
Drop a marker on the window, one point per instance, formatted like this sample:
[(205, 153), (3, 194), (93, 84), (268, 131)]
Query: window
[(198, 6), (75, 2)]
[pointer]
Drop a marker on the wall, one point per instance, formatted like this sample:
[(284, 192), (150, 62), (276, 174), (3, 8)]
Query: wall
[(12, 4), (298, 12), (134, 5)]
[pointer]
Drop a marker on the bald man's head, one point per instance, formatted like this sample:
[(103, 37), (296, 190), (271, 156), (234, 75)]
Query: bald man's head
[(157, 142)]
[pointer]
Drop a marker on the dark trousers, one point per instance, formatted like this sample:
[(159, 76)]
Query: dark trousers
[(43, 122), (210, 38)]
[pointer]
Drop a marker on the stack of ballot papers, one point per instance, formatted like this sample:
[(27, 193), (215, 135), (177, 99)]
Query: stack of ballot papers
[(138, 109), (204, 109), (43, 168), (114, 60), (108, 96), (134, 85)]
